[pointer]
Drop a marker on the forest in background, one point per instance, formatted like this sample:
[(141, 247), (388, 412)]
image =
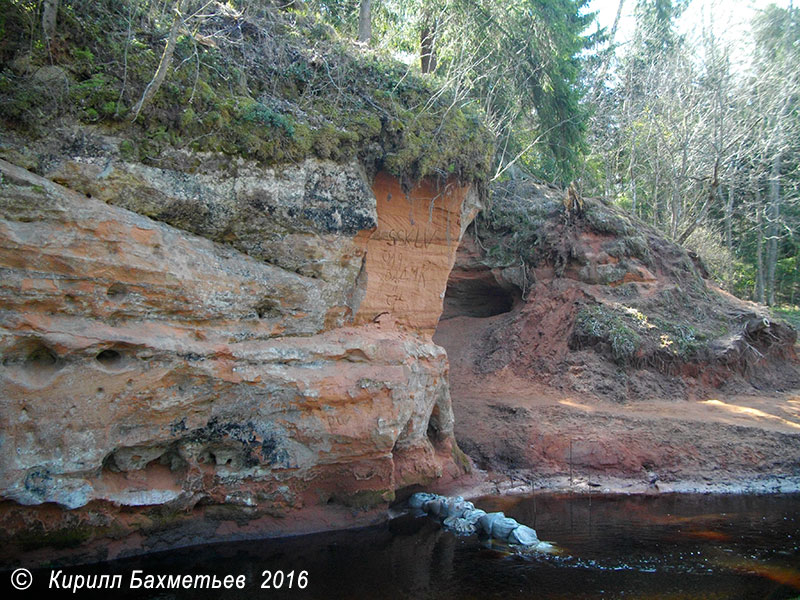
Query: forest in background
[(679, 131), (670, 128)]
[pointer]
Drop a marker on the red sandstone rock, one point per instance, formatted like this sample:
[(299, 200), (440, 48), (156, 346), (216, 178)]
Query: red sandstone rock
[(143, 365)]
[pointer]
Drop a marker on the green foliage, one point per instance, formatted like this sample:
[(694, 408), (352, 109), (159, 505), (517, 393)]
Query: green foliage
[(82, 62), (518, 60), (597, 324), (18, 101), (788, 313), (286, 84), (96, 97), (341, 14), (656, 33), (263, 115), (633, 336), (517, 229), (694, 145), (531, 88), (270, 85)]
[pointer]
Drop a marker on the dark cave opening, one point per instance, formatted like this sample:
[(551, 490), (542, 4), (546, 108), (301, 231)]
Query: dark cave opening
[(477, 293)]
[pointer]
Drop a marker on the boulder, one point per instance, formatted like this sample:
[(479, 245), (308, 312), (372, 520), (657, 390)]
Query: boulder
[(523, 535)]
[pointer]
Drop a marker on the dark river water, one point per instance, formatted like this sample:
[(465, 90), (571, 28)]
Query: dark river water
[(668, 546)]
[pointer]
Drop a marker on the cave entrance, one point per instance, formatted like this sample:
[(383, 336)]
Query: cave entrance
[(476, 293), (478, 303), (475, 290), (475, 299)]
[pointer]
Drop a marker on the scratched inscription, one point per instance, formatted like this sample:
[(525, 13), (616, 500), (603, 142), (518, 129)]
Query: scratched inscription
[(399, 268), (409, 254), (407, 237)]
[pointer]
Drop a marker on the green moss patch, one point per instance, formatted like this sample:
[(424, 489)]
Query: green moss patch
[(631, 336), (270, 85), (67, 537)]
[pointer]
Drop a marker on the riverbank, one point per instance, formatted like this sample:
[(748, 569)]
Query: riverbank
[(522, 484), (525, 437)]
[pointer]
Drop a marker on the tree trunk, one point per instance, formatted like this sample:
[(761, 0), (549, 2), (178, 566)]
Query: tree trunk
[(427, 43), (166, 59), (709, 202), (773, 218), (759, 247), (674, 206), (656, 202), (49, 13), (365, 21), (729, 219), (601, 78)]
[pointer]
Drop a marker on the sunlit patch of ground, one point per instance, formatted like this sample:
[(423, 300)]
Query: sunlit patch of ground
[(792, 406)]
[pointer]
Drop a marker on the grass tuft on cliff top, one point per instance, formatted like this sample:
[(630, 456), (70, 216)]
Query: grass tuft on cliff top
[(270, 84)]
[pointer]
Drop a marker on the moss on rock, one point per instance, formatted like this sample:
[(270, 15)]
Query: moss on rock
[(274, 87)]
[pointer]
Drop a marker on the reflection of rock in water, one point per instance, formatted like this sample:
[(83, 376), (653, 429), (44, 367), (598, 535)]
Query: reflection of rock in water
[(461, 516), (418, 556), (420, 559)]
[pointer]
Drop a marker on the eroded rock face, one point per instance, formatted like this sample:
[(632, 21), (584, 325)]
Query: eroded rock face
[(239, 346), (302, 218), (411, 253), (591, 299)]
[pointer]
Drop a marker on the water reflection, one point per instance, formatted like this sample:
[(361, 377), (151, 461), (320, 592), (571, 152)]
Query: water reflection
[(669, 546)]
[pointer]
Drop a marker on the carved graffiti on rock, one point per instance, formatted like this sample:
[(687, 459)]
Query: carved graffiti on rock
[(410, 253)]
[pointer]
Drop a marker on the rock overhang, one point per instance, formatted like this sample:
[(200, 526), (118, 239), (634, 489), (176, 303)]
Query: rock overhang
[(154, 360)]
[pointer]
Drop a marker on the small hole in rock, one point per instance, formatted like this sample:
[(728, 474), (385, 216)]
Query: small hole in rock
[(116, 291), (110, 464), (268, 309), (109, 358), (42, 357), (434, 429)]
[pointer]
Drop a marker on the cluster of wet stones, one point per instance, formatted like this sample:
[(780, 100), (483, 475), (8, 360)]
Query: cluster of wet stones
[(461, 516)]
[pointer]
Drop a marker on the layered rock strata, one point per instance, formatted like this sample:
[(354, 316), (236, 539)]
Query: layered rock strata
[(237, 338)]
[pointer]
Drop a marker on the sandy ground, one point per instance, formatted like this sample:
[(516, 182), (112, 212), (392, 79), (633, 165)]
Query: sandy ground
[(524, 434)]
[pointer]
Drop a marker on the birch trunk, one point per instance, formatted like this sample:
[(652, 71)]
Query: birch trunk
[(759, 247), (772, 221), (427, 43)]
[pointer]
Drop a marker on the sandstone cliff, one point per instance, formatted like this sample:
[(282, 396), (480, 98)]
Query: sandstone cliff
[(252, 338), (216, 317), (216, 320)]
